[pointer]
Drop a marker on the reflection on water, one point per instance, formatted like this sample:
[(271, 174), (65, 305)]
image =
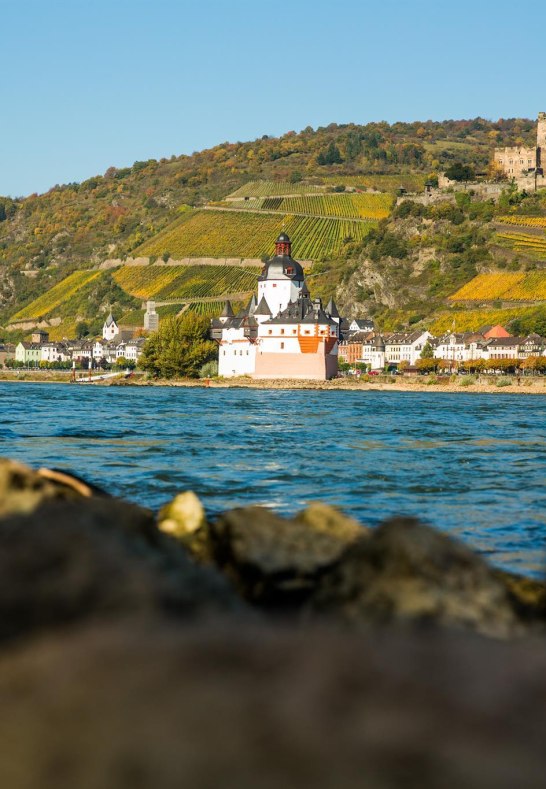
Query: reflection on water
[(473, 465)]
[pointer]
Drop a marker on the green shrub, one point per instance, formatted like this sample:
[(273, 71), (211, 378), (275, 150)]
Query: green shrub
[(503, 381), (468, 380), (432, 380)]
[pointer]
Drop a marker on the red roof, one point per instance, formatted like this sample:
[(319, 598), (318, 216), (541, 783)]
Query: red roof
[(496, 331)]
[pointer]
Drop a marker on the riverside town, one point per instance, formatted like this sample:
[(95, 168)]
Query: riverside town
[(371, 274), (284, 333)]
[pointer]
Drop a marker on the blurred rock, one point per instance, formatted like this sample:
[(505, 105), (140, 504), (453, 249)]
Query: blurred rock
[(184, 518), (71, 560), (22, 489), (158, 708), (275, 561), (406, 571)]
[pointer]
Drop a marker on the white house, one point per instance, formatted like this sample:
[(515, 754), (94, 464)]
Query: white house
[(133, 349), (55, 352), (405, 346)]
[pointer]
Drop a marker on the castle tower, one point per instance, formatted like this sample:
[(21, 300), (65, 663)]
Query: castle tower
[(282, 277), (151, 318), (541, 141)]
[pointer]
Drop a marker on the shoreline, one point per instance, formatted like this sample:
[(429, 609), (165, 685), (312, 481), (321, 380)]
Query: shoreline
[(529, 386)]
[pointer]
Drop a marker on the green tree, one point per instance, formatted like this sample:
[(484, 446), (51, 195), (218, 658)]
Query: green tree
[(460, 172), (82, 329), (427, 352), (180, 347)]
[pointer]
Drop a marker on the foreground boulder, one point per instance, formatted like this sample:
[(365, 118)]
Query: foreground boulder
[(162, 708), (408, 572), (23, 489), (70, 560), (274, 561)]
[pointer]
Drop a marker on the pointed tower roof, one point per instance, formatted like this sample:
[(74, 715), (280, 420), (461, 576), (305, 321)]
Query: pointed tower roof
[(263, 308), (332, 309), (227, 312), (109, 320), (252, 304)]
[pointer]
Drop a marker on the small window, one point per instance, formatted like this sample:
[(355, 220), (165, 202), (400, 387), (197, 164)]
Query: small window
[(294, 331), (270, 331), (282, 331), (282, 346), (307, 331)]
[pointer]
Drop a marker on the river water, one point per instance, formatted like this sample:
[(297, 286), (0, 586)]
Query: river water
[(471, 465)]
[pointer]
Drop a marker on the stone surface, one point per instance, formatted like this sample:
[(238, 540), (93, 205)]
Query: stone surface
[(405, 571), (274, 560), (159, 708), (184, 518), (22, 489), (71, 560)]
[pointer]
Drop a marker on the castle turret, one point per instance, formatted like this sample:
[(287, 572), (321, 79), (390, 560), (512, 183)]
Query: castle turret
[(282, 277)]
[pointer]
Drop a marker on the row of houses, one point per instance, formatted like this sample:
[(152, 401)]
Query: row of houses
[(116, 343), (489, 342)]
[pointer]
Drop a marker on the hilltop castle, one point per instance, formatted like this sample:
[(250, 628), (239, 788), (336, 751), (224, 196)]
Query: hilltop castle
[(523, 162), (282, 333)]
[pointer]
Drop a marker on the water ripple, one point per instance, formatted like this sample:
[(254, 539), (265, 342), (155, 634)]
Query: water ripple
[(471, 465)]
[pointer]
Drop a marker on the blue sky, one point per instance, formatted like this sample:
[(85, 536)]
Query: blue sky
[(90, 84)]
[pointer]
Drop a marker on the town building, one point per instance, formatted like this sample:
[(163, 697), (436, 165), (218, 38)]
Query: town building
[(282, 333), (55, 352), (29, 353), (405, 346)]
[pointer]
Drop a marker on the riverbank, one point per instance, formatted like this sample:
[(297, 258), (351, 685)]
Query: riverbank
[(389, 384), (482, 385)]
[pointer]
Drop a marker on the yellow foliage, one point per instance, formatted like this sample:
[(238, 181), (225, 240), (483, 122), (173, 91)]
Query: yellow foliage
[(520, 286)]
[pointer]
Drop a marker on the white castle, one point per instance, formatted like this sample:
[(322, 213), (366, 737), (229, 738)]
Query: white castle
[(282, 333)]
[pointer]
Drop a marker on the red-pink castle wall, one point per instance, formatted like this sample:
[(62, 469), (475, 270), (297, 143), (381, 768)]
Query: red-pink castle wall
[(315, 366)]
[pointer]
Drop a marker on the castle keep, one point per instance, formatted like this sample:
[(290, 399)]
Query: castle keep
[(282, 333), (520, 162)]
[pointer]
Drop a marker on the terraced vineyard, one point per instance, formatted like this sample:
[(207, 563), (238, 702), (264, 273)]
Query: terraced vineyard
[(273, 189), (357, 206), (412, 182), (46, 303), (212, 309), (530, 286), (524, 221), (251, 235), (532, 245), (180, 282)]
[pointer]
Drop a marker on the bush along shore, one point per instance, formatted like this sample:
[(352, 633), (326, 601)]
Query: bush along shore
[(169, 649)]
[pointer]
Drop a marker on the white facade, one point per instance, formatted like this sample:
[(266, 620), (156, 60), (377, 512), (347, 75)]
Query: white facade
[(279, 293), (55, 352), (110, 328), (405, 346), (237, 354), (452, 348)]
